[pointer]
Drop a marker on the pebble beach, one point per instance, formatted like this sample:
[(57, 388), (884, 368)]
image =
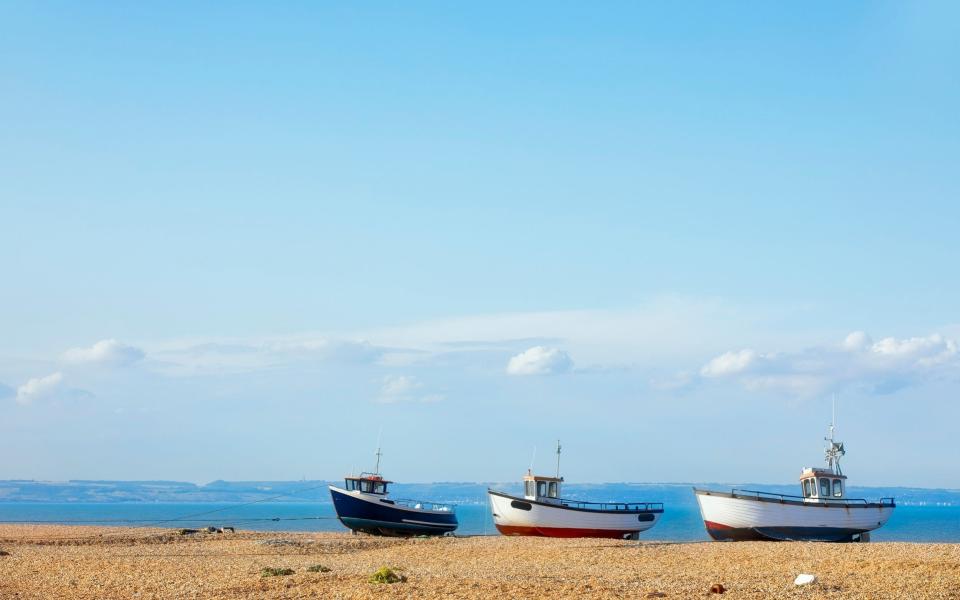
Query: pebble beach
[(43, 562)]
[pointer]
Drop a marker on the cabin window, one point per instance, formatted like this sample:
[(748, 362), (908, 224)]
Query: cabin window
[(553, 489), (541, 488), (366, 486), (824, 487), (530, 491), (807, 489), (837, 488), (351, 485), (380, 488)]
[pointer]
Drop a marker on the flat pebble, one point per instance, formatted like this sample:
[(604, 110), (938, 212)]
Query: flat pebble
[(111, 563)]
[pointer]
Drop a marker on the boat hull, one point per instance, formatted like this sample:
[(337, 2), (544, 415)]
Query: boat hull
[(514, 515), (734, 517), (378, 516)]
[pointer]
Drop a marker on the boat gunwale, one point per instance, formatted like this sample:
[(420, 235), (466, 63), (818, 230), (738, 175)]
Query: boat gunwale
[(797, 500), (587, 510), (391, 503)]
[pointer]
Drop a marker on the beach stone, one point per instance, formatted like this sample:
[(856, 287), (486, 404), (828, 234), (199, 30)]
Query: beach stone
[(717, 588), (804, 579), (282, 542), (53, 561)]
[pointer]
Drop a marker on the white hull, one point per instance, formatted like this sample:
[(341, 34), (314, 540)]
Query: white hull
[(738, 517), (555, 520)]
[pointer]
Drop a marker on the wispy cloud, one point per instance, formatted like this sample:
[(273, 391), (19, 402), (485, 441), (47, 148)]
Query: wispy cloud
[(405, 388), (668, 330), (105, 352), (234, 356), (540, 360), (663, 331), (879, 367)]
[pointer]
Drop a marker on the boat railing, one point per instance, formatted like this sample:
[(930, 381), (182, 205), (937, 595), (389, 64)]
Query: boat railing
[(790, 497), (422, 505), (624, 506)]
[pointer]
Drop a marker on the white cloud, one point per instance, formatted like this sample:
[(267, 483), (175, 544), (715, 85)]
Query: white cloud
[(729, 363), (858, 340), (39, 388), (105, 352), (924, 351), (405, 388), (880, 367), (540, 360)]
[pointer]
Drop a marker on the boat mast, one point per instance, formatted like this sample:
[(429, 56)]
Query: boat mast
[(835, 450), (376, 470), (558, 459)]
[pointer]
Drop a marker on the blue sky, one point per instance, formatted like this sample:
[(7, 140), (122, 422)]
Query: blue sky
[(239, 240)]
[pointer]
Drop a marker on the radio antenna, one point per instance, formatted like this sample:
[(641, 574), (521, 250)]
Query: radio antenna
[(376, 470), (835, 450), (558, 459), (833, 417)]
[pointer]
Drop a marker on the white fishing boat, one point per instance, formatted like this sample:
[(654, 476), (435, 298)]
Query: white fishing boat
[(822, 513), (541, 511)]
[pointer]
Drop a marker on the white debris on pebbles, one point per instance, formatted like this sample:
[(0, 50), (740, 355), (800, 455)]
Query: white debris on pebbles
[(98, 563)]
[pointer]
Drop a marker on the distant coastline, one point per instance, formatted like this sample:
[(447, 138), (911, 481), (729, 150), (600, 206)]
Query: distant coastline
[(93, 491)]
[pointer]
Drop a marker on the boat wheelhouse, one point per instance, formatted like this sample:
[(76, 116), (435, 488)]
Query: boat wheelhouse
[(542, 511), (822, 512), (822, 484), (363, 504)]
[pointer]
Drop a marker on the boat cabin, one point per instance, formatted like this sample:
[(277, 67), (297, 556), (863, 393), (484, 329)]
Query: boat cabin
[(367, 483), (822, 484), (541, 488)]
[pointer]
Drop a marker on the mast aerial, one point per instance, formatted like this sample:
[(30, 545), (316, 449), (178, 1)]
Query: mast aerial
[(558, 459), (835, 450), (376, 470)]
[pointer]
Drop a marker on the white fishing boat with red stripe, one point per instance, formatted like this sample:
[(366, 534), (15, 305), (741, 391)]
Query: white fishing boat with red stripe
[(541, 511), (823, 513)]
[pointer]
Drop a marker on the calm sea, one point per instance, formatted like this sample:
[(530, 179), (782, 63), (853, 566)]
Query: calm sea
[(681, 521)]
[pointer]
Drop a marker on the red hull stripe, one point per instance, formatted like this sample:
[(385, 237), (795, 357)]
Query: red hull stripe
[(712, 525), (565, 532)]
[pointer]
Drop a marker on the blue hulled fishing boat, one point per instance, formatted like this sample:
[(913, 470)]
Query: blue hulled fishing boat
[(364, 505)]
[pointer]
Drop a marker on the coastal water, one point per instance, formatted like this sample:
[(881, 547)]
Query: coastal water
[(680, 522)]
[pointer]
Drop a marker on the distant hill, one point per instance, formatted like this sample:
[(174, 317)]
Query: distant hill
[(459, 492)]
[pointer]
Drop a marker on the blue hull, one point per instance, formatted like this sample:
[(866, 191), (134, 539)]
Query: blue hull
[(383, 518)]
